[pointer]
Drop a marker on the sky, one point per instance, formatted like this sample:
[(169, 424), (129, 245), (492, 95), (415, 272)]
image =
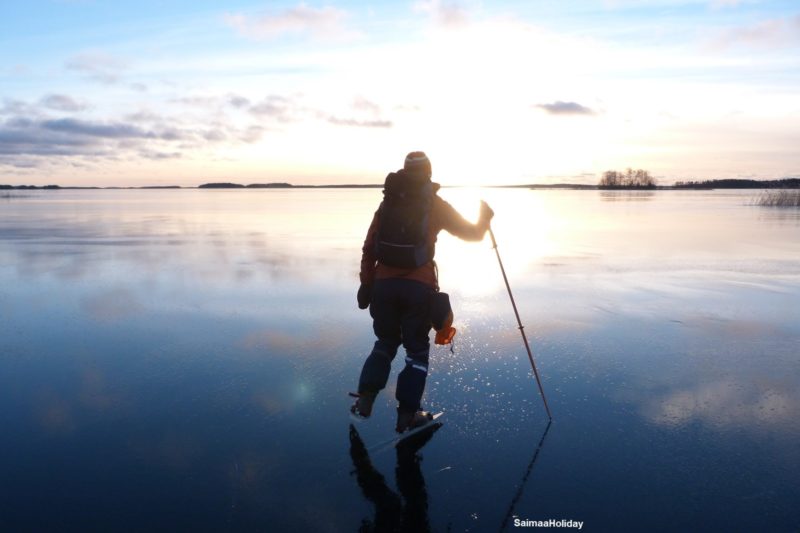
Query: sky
[(96, 93)]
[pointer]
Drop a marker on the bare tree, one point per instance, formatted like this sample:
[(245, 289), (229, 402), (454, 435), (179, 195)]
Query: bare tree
[(639, 178)]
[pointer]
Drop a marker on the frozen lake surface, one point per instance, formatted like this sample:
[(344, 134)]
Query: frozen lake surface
[(179, 360)]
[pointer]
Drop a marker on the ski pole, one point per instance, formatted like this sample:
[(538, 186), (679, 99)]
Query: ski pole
[(519, 322)]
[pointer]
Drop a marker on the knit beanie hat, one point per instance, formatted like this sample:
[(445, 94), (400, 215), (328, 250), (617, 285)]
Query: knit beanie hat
[(418, 162)]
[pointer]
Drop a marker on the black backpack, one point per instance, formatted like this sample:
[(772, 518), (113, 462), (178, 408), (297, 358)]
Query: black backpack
[(403, 220)]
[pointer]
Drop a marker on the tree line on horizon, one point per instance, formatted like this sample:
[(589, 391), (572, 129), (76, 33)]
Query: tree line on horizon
[(785, 183)]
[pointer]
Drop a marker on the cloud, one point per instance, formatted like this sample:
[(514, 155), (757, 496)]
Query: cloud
[(156, 155), (238, 101), (325, 22), (252, 134), (18, 70), (214, 135), (143, 116), (277, 107), (565, 108), (20, 163), (662, 4), (33, 136), (26, 141), (368, 114), (98, 66), (721, 4), (772, 33), (362, 104), (360, 123), (26, 137), (286, 109), (61, 102), (289, 109), (16, 107), (283, 109), (112, 130), (197, 101), (447, 14)]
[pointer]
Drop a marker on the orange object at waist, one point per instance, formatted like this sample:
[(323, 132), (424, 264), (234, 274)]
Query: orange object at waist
[(446, 334)]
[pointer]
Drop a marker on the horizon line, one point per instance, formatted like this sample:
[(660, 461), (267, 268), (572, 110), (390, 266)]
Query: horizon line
[(286, 185)]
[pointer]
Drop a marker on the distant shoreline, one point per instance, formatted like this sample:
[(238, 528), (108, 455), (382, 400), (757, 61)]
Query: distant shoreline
[(787, 183)]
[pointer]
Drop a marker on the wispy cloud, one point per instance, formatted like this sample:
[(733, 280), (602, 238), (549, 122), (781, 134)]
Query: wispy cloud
[(98, 66), (277, 109), (659, 4), (251, 134), (112, 130), (158, 155), (280, 108), (238, 101), (62, 102), (721, 4), (324, 22), (17, 70), (365, 114), (448, 14), (201, 101), (359, 123), (16, 107), (143, 116), (565, 108), (362, 104), (770, 33)]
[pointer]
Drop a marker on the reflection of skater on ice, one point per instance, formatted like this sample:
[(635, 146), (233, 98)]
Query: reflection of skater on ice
[(407, 511)]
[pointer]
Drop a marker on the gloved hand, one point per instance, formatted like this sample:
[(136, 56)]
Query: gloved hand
[(364, 295), (486, 212)]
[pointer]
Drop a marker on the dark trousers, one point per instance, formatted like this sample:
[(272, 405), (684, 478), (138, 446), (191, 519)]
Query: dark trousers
[(401, 314)]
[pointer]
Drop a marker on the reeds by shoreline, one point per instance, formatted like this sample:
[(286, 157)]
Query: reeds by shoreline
[(779, 198)]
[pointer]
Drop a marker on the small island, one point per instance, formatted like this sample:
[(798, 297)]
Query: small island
[(270, 186), (630, 179), (221, 186), (226, 185)]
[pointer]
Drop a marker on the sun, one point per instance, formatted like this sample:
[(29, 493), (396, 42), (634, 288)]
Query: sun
[(523, 228)]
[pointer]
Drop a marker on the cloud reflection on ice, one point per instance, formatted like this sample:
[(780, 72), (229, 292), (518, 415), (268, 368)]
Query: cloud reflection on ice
[(727, 403), (112, 305)]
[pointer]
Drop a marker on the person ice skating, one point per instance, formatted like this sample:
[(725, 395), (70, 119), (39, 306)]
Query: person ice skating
[(399, 280)]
